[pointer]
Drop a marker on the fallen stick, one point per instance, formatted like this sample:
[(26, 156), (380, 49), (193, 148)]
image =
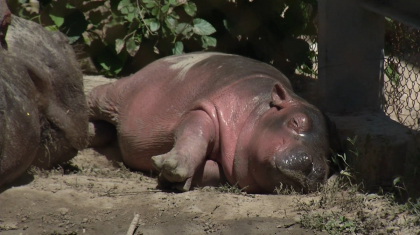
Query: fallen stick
[(133, 224)]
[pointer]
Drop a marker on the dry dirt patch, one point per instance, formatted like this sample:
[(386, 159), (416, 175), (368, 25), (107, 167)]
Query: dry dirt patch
[(102, 199)]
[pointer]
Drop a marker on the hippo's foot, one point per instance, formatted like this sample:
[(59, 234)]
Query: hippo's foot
[(176, 170)]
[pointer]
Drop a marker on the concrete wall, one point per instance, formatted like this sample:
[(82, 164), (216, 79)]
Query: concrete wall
[(350, 57)]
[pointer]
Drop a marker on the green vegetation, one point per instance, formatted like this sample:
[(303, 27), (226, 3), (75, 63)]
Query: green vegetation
[(114, 30), (122, 36)]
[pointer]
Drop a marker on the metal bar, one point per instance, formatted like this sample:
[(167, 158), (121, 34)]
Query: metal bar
[(407, 12)]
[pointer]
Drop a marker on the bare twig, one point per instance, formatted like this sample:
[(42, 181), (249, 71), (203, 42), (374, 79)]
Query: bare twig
[(133, 224), (142, 19)]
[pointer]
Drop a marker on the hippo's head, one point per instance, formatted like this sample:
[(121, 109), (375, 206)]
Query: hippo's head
[(286, 144)]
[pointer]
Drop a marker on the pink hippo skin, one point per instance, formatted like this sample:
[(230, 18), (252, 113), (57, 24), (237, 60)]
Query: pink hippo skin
[(206, 118)]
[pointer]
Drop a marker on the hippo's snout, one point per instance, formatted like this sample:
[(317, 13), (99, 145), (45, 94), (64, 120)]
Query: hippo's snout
[(303, 169), (299, 161)]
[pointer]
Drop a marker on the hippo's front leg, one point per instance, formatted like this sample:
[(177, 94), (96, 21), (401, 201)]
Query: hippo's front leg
[(194, 137)]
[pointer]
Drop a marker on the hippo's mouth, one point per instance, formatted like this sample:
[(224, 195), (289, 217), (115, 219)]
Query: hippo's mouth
[(300, 181), (300, 169), (294, 179)]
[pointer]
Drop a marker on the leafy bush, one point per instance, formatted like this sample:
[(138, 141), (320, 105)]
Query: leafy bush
[(279, 32), (123, 36), (114, 30)]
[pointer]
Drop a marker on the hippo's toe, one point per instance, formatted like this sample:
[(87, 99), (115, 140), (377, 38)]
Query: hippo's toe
[(174, 172)]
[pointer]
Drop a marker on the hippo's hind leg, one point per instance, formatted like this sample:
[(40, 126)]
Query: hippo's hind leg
[(104, 140), (194, 138), (102, 122), (101, 133)]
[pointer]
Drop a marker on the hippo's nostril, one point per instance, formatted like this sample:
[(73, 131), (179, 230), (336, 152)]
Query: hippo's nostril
[(299, 123), (295, 123)]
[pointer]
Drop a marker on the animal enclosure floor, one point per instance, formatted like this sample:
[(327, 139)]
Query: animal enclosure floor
[(102, 199)]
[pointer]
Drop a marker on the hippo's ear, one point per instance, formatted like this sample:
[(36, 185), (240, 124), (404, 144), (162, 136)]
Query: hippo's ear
[(279, 96)]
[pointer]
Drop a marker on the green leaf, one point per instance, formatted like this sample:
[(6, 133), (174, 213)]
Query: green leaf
[(130, 16), (391, 71), (165, 8), (151, 4), (155, 11), (183, 28), (173, 2), (132, 47), (178, 48), (190, 8), (119, 45), (171, 22), (227, 25), (124, 3), (174, 15), (202, 27), (69, 6), (154, 26), (51, 28), (128, 9), (207, 41), (58, 20), (396, 181)]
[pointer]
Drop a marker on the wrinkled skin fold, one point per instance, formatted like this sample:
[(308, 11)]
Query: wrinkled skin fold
[(209, 118)]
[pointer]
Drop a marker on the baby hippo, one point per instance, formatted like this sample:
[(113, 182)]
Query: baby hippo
[(203, 119)]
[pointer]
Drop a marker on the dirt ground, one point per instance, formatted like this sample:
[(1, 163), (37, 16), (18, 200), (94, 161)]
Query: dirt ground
[(95, 196), (102, 199)]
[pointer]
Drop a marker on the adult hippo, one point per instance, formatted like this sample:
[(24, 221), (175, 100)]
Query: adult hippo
[(207, 118), (43, 114)]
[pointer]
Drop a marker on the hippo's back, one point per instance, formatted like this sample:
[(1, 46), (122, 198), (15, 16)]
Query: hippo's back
[(173, 85)]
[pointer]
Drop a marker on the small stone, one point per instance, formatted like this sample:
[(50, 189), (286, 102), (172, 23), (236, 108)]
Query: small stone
[(63, 211), (9, 226)]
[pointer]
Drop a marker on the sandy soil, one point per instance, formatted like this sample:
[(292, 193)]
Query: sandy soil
[(102, 199)]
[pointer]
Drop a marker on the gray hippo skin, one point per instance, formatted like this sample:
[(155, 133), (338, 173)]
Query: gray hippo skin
[(207, 118), (43, 113)]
